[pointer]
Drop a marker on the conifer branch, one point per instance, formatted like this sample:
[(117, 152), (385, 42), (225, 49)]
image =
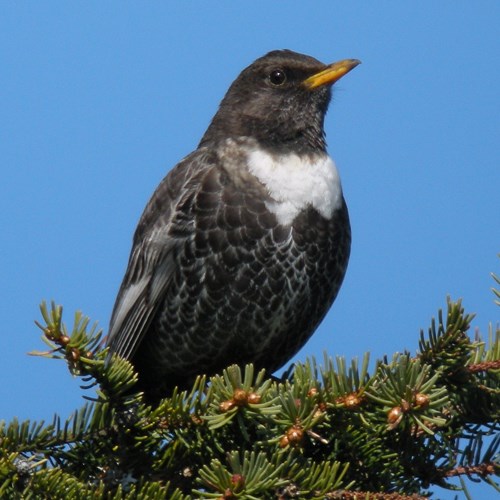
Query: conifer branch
[(336, 430), (482, 470)]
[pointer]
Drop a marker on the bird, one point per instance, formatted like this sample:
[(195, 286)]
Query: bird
[(243, 246)]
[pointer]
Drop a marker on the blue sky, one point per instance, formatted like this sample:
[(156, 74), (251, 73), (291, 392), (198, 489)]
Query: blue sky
[(99, 100)]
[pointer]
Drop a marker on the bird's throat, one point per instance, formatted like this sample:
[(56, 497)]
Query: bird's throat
[(296, 181)]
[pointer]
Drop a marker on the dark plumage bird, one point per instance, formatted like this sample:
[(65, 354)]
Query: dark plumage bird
[(243, 246)]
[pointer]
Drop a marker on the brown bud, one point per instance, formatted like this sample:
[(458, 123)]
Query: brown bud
[(49, 333), (64, 340), (228, 494), (352, 401), (422, 400), (240, 397), (284, 442), (163, 424), (295, 435), (312, 392), (254, 398), (89, 354), (226, 405), (196, 419), (75, 354), (238, 481), (405, 406), (394, 415)]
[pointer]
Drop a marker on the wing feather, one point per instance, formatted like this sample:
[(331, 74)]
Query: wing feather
[(138, 302), (151, 265)]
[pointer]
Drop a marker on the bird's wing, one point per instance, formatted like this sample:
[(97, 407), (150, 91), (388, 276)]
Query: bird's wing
[(151, 265), (149, 273)]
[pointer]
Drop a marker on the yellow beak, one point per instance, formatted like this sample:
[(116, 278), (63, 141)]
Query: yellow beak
[(331, 73)]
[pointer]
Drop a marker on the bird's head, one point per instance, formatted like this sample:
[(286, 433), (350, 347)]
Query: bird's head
[(280, 100)]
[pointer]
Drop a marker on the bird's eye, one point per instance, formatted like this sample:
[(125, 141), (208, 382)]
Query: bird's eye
[(277, 77)]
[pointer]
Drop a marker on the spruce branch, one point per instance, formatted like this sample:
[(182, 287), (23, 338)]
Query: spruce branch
[(250, 476), (336, 430)]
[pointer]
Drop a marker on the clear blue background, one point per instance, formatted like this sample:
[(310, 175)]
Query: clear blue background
[(98, 100)]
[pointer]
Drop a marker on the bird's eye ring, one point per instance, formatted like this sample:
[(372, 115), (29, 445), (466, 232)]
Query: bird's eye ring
[(277, 77)]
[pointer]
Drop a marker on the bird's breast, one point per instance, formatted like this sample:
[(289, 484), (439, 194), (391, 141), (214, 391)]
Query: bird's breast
[(295, 182)]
